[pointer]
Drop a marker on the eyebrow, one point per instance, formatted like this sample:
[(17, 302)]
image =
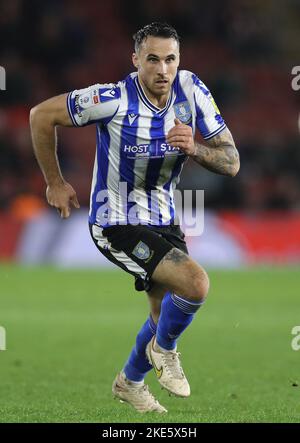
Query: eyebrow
[(156, 56)]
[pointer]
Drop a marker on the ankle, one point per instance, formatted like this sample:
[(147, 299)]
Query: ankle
[(158, 348), (131, 382)]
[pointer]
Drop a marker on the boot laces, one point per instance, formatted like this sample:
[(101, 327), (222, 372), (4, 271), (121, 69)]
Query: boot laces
[(172, 364)]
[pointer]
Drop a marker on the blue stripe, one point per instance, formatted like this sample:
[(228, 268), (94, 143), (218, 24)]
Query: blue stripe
[(200, 85), (180, 97), (129, 137), (201, 125), (167, 186), (103, 143), (71, 108), (154, 166)]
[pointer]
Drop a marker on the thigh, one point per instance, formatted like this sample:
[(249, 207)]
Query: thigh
[(180, 274), (174, 235), (135, 249)]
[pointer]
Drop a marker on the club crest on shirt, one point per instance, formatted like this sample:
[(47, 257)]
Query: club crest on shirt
[(141, 251), (183, 112)]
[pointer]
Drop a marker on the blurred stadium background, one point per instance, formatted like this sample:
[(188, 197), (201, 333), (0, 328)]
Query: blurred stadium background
[(243, 50), (59, 323)]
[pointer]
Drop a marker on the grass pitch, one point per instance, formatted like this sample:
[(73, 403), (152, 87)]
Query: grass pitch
[(69, 332)]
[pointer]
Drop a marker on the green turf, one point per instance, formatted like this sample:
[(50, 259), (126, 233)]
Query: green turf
[(69, 332)]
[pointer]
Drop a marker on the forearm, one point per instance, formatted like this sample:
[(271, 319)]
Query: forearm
[(43, 121), (44, 140), (223, 159), (221, 156)]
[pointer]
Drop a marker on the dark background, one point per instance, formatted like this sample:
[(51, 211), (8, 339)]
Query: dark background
[(243, 50)]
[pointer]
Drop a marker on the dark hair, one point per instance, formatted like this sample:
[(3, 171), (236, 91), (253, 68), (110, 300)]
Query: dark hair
[(155, 29)]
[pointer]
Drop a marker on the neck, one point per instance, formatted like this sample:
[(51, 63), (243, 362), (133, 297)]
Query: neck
[(159, 101)]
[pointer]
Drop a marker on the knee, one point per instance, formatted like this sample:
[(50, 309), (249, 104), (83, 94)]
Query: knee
[(199, 286)]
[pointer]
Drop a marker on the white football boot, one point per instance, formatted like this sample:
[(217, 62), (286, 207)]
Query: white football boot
[(168, 370), (137, 395)]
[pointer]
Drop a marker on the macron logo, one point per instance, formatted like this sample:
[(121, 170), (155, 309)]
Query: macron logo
[(110, 93), (131, 118)]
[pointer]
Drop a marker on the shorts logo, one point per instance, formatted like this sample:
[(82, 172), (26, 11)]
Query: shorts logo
[(141, 251), (183, 112)]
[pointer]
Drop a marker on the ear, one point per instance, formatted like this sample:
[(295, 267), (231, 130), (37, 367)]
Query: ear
[(135, 60)]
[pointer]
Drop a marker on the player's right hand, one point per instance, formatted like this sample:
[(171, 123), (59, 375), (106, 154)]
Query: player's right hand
[(62, 196)]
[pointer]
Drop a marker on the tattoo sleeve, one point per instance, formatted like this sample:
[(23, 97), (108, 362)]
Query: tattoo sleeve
[(221, 156), (176, 256)]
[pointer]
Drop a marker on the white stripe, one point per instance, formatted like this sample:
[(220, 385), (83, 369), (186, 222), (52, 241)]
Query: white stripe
[(119, 255), (141, 164), (187, 85), (165, 196), (113, 176), (94, 181)]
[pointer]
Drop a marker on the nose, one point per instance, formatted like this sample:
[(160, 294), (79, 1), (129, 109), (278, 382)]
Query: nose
[(163, 67)]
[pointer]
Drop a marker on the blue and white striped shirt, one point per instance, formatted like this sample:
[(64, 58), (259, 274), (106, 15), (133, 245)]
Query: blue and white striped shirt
[(135, 170)]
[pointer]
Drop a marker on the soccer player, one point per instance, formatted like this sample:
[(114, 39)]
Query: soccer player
[(145, 128)]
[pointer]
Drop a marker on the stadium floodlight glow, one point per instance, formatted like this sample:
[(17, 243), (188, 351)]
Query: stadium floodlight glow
[(2, 79), (2, 339)]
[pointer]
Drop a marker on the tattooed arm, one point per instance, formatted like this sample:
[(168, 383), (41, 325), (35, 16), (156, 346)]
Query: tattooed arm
[(221, 156)]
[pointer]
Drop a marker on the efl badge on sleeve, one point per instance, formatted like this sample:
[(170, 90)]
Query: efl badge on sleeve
[(183, 112), (85, 100)]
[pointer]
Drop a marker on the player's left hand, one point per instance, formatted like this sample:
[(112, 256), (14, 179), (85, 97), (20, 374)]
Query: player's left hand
[(181, 136)]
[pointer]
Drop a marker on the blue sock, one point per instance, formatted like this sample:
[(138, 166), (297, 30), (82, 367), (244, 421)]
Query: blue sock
[(137, 365), (175, 316)]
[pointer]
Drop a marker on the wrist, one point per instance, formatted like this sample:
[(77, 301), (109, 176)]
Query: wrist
[(55, 181), (195, 151)]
